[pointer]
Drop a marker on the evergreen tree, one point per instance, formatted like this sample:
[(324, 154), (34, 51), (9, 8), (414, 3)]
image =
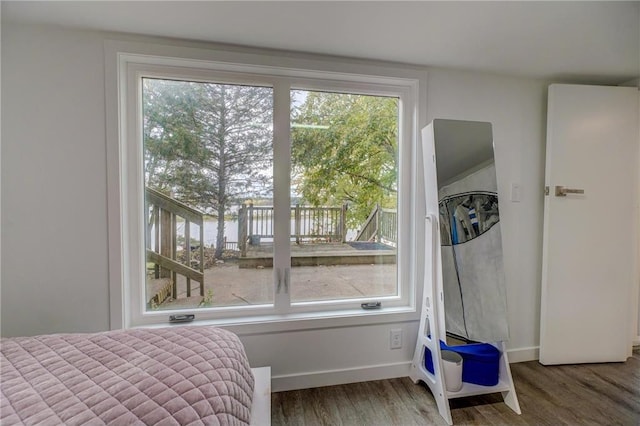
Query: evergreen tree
[(208, 145)]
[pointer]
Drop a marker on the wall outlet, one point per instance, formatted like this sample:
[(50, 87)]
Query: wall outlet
[(396, 338)]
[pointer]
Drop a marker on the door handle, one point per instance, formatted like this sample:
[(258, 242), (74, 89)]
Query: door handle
[(281, 281), (279, 288), (286, 279), (561, 191)]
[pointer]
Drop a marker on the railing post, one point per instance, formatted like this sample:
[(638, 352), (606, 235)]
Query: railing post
[(156, 248), (174, 254), (242, 230), (297, 222), (391, 226), (250, 221), (165, 239), (343, 222), (187, 251), (202, 256), (378, 222), (148, 223)]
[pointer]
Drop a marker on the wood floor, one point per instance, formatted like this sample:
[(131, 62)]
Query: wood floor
[(587, 394)]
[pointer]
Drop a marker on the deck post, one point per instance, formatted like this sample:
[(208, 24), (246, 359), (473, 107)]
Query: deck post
[(187, 251), (202, 257), (174, 254), (165, 239), (378, 222), (242, 230), (297, 222), (156, 222), (343, 223), (250, 220)]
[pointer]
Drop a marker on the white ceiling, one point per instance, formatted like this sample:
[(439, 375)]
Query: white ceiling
[(596, 42)]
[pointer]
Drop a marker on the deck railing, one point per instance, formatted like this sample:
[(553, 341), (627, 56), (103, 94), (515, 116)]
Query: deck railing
[(388, 226), (164, 213), (308, 224), (230, 245), (380, 226)]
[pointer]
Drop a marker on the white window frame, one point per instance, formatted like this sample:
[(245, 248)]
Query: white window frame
[(127, 63)]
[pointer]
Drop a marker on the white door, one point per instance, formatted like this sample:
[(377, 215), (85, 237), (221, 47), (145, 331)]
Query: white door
[(590, 238)]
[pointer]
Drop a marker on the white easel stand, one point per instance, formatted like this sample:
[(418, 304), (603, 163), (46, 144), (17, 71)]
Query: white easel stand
[(432, 327)]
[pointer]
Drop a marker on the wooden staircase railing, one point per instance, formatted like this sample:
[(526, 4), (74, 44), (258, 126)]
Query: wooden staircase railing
[(164, 212), (380, 226)]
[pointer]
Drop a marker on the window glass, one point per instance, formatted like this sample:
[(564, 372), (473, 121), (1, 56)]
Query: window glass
[(208, 171), (344, 196)]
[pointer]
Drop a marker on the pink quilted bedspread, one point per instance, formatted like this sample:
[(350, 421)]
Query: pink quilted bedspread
[(167, 376)]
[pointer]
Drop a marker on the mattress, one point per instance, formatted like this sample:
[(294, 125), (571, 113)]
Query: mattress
[(166, 376)]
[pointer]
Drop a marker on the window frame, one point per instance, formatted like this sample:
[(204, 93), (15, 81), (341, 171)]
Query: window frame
[(127, 63)]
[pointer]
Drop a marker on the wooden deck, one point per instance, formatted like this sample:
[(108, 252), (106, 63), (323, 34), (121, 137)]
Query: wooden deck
[(318, 239), (353, 253), (321, 272)]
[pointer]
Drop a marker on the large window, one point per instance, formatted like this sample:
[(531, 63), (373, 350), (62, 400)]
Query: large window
[(249, 191)]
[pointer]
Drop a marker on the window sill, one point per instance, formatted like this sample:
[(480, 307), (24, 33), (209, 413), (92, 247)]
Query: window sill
[(275, 323)]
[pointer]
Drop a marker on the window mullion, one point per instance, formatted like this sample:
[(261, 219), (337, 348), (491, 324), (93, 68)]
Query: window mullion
[(281, 197)]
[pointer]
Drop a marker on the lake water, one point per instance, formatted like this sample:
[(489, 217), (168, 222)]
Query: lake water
[(230, 231)]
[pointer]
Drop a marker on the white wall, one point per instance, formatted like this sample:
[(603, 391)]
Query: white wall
[(517, 109), (54, 213), (54, 269)]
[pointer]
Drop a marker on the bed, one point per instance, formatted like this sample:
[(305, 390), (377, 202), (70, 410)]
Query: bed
[(165, 376)]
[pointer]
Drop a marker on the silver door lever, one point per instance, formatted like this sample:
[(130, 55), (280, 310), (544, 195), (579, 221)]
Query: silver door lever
[(561, 191)]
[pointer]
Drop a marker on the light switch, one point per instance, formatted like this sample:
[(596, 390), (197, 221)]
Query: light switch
[(516, 192)]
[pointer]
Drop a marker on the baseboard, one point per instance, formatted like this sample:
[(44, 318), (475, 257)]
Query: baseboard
[(287, 382), (316, 379), (531, 353)]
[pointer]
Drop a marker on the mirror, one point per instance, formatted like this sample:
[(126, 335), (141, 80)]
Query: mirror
[(470, 235)]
